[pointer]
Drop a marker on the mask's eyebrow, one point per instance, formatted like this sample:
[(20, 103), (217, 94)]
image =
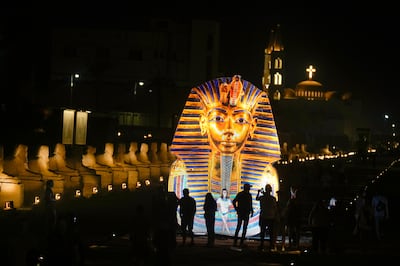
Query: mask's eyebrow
[(217, 109), (239, 111)]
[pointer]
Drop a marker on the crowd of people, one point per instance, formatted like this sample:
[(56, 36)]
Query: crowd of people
[(286, 218), (154, 237)]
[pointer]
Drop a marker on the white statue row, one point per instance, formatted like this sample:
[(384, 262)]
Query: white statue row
[(22, 181)]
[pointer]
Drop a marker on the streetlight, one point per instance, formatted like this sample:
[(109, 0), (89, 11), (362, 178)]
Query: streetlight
[(140, 83), (72, 78)]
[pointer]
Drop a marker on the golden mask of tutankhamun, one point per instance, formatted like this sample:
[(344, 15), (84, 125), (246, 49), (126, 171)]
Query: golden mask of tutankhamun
[(226, 137)]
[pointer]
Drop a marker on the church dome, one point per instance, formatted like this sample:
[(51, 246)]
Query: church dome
[(309, 85), (310, 90)]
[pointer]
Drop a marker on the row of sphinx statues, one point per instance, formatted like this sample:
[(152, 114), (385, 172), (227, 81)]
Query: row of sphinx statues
[(84, 171)]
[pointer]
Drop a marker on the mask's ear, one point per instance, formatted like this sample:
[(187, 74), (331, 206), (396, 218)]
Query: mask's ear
[(252, 128), (203, 124)]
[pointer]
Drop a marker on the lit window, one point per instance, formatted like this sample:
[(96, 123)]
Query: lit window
[(277, 79)]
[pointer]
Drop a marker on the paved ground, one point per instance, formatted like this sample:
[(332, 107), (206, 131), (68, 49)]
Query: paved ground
[(116, 252)]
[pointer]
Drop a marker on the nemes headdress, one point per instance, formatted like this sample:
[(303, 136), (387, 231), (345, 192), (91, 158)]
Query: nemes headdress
[(193, 148), (227, 92)]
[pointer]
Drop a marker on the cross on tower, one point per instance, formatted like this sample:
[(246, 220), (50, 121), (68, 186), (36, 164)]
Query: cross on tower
[(310, 71)]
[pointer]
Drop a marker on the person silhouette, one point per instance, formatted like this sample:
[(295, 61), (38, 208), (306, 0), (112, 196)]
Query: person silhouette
[(164, 206), (139, 236), (319, 220), (243, 204), (210, 207), (380, 209), (50, 206), (187, 210), (293, 218), (268, 216)]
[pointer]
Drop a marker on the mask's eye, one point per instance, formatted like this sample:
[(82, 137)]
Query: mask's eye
[(217, 118), (241, 120)]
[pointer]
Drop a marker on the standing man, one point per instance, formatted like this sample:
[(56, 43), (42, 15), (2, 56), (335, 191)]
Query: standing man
[(243, 204), (50, 206), (293, 218), (210, 207), (381, 213), (187, 211), (268, 216)]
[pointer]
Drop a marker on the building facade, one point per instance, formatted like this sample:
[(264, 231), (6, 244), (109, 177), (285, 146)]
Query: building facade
[(308, 113)]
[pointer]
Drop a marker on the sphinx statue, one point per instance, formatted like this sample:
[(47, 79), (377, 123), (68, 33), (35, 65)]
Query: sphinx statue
[(17, 166), (326, 151), (12, 188), (143, 163), (107, 158), (165, 160), (163, 153), (131, 157), (104, 171), (40, 165), (129, 169), (143, 154), (303, 151), (58, 165), (58, 162), (153, 154)]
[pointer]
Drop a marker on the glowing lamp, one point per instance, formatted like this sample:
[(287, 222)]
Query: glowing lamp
[(109, 188), (37, 200), (95, 190), (147, 182), (77, 193), (124, 186), (9, 205), (57, 196)]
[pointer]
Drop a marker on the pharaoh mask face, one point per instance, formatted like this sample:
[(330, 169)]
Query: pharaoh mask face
[(228, 121)]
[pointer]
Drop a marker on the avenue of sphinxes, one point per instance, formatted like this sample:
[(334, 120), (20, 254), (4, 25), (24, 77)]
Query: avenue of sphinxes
[(124, 166), (23, 174)]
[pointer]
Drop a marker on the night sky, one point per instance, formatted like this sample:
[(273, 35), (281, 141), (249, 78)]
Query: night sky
[(352, 47)]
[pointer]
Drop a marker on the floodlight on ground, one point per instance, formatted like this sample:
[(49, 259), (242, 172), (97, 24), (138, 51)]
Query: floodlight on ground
[(147, 182), (161, 179), (109, 188), (36, 200), (95, 190), (138, 184), (57, 196), (78, 193), (8, 205), (124, 185)]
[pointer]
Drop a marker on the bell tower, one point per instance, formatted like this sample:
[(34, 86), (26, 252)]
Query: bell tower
[(273, 79)]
